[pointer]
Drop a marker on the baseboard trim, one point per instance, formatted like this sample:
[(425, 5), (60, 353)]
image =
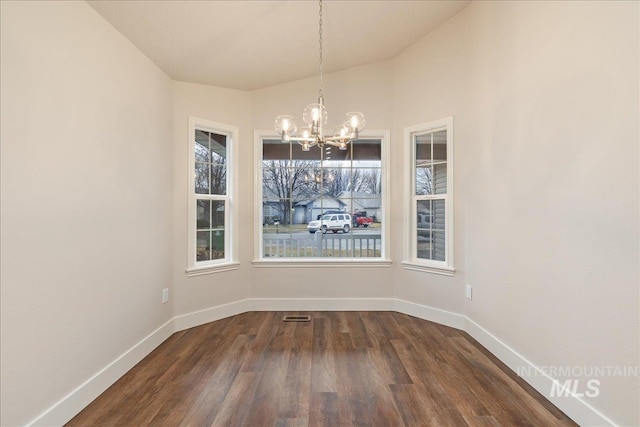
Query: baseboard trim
[(425, 312), (321, 304), (70, 405), (200, 317), (575, 407)]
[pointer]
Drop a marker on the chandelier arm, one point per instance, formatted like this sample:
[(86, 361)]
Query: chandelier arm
[(337, 139), (311, 141)]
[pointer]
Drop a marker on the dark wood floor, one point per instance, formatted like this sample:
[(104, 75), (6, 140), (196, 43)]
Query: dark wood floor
[(340, 369)]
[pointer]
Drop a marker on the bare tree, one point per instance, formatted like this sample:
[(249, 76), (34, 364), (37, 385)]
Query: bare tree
[(424, 181), (333, 181), (284, 181), (366, 181), (211, 172)]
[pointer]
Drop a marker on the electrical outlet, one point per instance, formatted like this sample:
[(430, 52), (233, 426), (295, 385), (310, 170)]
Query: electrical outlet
[(165, 295), (469, 292)]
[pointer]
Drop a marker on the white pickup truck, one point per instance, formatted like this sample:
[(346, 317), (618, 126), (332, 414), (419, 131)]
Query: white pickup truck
[(331, 222)]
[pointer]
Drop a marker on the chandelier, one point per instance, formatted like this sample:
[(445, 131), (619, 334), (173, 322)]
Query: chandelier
[(315, 118)]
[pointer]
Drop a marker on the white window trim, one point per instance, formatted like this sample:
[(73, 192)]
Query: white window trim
[(411, 262), (230, 262), (259, 261)]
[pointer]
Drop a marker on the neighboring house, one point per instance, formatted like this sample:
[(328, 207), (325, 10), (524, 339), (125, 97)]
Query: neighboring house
[(308, 210), (271, 211), (363, 202)]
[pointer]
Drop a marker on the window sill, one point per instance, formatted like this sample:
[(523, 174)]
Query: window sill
[(305, 263), (211, 269), (445, 271)]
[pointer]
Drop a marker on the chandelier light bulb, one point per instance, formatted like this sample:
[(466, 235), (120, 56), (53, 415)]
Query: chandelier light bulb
[(285, 126), (341, 132), (355, 122), (315, 115), (305, 133)]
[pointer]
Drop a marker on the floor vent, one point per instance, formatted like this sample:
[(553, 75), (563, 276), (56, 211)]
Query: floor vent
[(296, 319)]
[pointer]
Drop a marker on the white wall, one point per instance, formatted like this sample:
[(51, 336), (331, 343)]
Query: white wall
[(545, 99), (368, 89), (430, 84), (230, 107), (86, 200)]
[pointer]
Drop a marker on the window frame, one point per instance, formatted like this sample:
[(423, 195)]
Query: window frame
[(230, 261), (411, 260), (383, 261)]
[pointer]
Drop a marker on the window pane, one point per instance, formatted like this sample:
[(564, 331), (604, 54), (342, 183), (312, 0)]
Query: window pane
[(276, 180), (370, 209), (202, 178), (424, 226), (334, 154), (430, 229), (424, 181), (430, 163), (203, 246), (204, 214), (298, 179), (423, 150), (365, 182), (275, 150), (277, 210), (311, 186), (218, 177), (440, 183), (438, 243), (366, 150), (218, 148), (423, 244), (202, 147), (314, 153), (438, 209), (440, 146), (288, 236), (217, 213), (217, 244)]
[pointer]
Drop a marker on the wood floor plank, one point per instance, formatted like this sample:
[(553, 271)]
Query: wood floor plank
[(324, 410), (443, 407), (295, 395), (323, 373), (339, 369)]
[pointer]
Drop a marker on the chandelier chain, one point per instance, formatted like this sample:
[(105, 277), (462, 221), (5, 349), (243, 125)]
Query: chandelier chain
[(320, 43)]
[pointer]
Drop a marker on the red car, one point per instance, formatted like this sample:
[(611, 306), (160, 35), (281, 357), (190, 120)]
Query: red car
[(360, 219)]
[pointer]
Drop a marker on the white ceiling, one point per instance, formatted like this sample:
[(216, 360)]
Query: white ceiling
[(253, 44)]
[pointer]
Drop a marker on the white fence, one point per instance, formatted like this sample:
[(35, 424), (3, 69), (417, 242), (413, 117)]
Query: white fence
[(349, 245)]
